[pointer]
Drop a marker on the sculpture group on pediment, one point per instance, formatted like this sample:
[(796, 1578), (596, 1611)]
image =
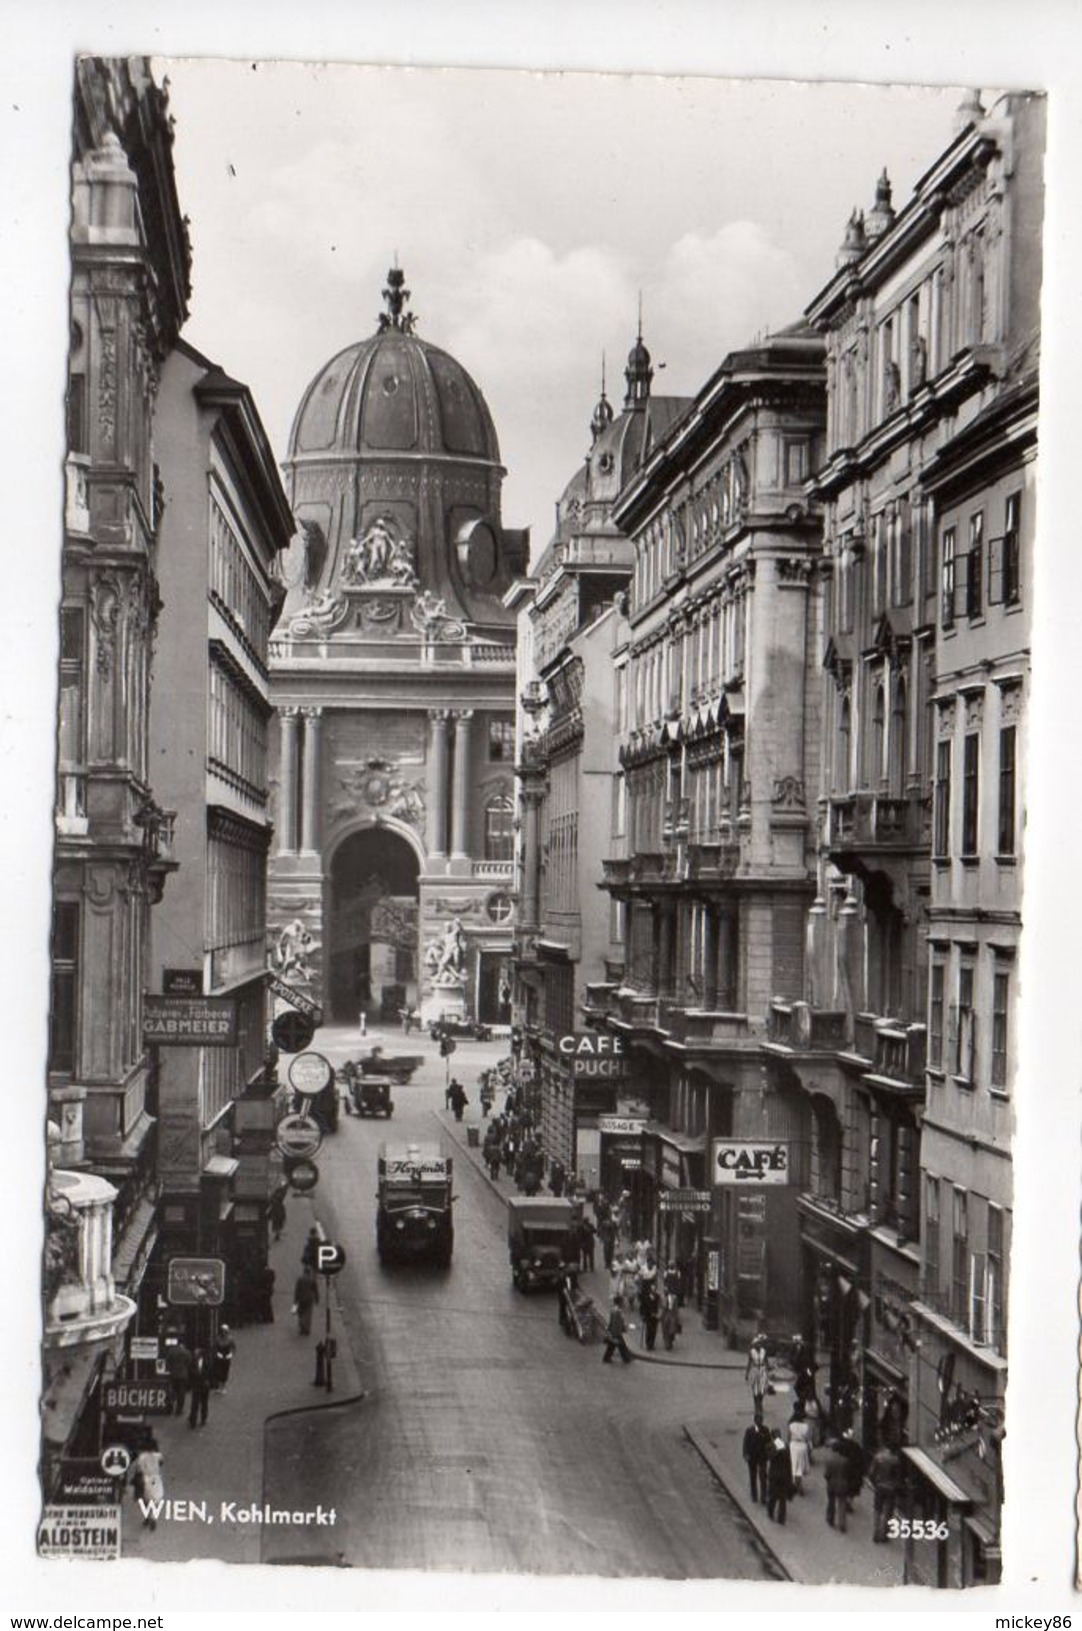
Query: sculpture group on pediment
[(430, 618), (321, 614), (383, 787), (445, 955), (380, 556), (292, 950)]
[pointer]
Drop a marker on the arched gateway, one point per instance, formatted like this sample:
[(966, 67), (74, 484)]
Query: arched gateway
[(393, 676)]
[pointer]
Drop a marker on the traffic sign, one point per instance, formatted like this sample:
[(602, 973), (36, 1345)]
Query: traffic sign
[(309, 1074), (196, 1282), (330, 1258), (292, 1031), (303, 1175), (115, 1460), (299, 1136)]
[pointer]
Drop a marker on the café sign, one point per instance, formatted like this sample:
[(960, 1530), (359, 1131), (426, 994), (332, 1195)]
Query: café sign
[(749, 1162), (593, 1054)]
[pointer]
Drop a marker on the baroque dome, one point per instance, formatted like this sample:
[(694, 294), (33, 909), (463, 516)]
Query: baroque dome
[(394, 393)]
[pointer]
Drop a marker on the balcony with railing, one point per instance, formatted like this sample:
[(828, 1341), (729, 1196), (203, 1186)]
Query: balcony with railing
[(600, 999), (76, 499), (898, 1054), (82, 1304), (805, 1029), (707, 1028), (502, 870), (636, 1009), (875, 822), (712, 860)]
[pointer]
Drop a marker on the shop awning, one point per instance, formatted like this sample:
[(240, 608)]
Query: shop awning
[(686, 1143), (133, 1242), (940, 1480)]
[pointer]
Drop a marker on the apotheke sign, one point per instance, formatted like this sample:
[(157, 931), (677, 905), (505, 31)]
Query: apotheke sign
[(744, 1161)]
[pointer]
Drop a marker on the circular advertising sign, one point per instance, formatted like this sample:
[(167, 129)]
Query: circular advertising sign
[(292, 1030), (309, 1074), (298, 1136), (303, 1176)]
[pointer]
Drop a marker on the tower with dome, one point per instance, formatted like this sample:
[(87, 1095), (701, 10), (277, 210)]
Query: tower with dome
[(393, 679)]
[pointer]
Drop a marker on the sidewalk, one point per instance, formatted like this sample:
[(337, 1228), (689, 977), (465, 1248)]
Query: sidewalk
[(273, 1372), (805, 1549)]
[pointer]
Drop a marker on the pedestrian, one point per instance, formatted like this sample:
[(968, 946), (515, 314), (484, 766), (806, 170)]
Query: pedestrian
[(202, 1371), (362, 1023), (276, 1214), (650, 1310), (854, 1459), (305, 1298), (606, 1230), (147, 1482), (756, 1371), (779, 1479), (837, 1478), (799, 1447), (178, 1364), (309, 1256), (557, 1176), (224, 1349), (587, 1240), (616, 1335), (264, 1295), (566, 1287), (758, 1443), (885, 1474)]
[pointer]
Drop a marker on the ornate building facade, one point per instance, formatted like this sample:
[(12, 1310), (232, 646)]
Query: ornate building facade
[(129, 293), (568, 933), (225, 522), (393, 676), (711, 852)]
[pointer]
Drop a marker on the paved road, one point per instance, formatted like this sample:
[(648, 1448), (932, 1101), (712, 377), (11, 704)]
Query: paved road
[(487, 1440)]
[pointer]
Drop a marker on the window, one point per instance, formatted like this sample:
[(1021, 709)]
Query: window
[(1005, 838), (935, 1013), (878, 729), (901, 555), (501, 739), (72, 637), (942, 800), (65, 984), (1012, 562), (947, 580), (995, 1286), (960, 1257), (931, 1236), (899, 739), (1001, 998), (975, 566), (841, 778), (971, 793), (964, 1047), (499, 829)]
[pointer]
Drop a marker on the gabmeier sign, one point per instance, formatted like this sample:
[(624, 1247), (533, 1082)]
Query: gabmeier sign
[(749, 1162), (190, 1021), (593, 1053)]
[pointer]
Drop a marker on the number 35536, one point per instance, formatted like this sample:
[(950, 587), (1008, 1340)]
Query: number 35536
[(916, 1529)]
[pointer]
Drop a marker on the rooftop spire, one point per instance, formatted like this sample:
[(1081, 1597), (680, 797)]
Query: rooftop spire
[(603, 412), (396, 296), (638, 372)]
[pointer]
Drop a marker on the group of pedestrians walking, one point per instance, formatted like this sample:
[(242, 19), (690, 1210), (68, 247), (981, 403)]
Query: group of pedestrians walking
[(195, 1373)]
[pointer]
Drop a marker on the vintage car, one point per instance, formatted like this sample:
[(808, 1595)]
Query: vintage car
[(542, 1239), (456, 1025), (369, 1095), (398, 1066)]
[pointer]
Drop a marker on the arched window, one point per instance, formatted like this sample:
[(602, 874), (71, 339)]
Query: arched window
[(878, 727), (499, 828), (899, 740), (841, 768)]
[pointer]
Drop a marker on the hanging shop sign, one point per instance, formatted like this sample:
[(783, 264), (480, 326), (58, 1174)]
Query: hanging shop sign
[(621, 1125), (747, 1162), (80, 1531), (195, 1282), (685, 1200), (298, 999), (593, 1053), (182, 982), (138, 1398), (292, 1031), (309, 1074), (191, 1022), (299, 1136)]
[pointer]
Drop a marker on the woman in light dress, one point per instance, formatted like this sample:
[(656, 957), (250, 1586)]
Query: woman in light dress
[(800, 1435)]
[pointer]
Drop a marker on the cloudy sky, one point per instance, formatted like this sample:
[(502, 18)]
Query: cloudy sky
[(528, 211)]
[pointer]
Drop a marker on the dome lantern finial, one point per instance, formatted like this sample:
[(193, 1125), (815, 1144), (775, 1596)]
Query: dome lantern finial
[(638, 372), (396, 296), (602, 418)]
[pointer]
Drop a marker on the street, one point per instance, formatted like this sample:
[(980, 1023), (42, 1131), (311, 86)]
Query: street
[(486, 1440)]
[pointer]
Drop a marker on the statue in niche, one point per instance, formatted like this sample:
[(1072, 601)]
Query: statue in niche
[(292, 950)]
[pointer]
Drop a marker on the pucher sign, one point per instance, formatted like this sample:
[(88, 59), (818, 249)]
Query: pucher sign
[(749, 1162), (593, 1054)]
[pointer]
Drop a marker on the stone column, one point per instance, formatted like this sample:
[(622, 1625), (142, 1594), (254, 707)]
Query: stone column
[(438, 835), (531, 857), (310, 779), (666, 970), (287, 783), (460, 804)]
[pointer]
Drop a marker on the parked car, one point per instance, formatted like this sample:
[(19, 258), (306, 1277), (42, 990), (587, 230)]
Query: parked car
[(455, 1025)]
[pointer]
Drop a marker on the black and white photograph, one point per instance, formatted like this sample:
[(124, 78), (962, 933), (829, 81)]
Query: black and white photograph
[(533, 952)]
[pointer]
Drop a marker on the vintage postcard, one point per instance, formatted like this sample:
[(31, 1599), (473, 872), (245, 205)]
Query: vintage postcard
[(546, 607)]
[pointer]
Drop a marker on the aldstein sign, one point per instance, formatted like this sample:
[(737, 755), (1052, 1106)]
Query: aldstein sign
[(593, 1054), (749, 1162)]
